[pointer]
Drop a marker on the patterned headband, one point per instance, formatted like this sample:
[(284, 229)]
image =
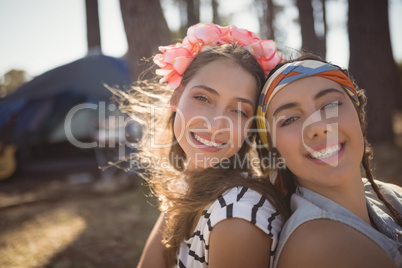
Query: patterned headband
[(175, 59), (294, 71)]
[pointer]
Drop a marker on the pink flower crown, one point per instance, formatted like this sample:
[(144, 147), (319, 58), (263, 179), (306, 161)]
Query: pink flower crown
[(175, 59)]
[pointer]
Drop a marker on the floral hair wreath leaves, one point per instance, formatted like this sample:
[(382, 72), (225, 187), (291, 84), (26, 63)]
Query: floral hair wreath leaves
[(175, 59)]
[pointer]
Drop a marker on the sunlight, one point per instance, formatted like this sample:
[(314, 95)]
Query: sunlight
[(36, 241)]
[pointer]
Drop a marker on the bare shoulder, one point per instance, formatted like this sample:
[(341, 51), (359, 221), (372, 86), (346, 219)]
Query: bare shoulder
[(238, 243), (327, 243)]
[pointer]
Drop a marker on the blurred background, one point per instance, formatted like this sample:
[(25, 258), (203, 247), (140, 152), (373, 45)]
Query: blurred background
[(57, 207)]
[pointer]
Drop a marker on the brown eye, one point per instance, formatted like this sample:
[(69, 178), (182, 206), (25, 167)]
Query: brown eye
[(201, 98), (240, 112)]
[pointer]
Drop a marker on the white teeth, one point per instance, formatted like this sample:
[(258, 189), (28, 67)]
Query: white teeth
[(206, 142), (327, 152)]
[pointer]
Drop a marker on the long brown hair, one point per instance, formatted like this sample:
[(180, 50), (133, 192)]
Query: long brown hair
[(286, 179), (184, 195)]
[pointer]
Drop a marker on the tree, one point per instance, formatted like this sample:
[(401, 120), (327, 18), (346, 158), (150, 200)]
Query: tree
[(93, 30), (267, 10), (193, 12), (372, 64), (311, 42), (146, 29), (215, 14), (189, 14)]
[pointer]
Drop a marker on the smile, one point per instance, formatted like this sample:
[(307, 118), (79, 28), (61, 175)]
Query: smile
[(207, 142), (326, 152)]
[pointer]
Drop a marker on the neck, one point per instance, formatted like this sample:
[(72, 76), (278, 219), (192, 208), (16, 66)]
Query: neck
[(349, 195)]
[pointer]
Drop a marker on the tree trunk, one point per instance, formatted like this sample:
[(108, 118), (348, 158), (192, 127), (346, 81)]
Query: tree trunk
[(193, 12), (93, 30), (325, 24), (372, 64), (146, 30), (215, 14), (270, 20), (310, 40), (266, 15), (323, 39)]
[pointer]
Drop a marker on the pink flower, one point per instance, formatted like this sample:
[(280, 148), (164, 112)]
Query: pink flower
[(266, 48), (181, 63), (205, 33), (158, 60), (269, 64), (172, 53), (176, 58), (243, 36)]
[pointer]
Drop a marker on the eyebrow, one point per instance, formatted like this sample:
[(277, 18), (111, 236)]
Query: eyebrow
[(284, 107), (320, 94), (327, 91), (213, 91), (245, 101)]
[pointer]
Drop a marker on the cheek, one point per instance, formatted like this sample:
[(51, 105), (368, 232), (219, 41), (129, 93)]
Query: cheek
[(287, 141), (178, 126), (286, 148), (361, 148), (351, 125), (356, 130), (241, 130)]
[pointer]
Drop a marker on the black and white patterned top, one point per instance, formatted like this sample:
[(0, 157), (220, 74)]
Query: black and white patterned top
[(238, 202)]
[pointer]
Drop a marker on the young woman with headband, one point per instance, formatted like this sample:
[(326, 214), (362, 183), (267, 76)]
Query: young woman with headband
[(312, 116)]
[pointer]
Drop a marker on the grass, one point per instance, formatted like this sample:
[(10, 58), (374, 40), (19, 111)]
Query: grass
[(77, 232)]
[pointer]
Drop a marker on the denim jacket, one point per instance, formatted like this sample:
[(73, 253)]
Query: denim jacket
[(307, 205)]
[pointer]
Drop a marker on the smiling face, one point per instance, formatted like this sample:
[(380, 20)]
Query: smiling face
[(315, 128), (213, 113)]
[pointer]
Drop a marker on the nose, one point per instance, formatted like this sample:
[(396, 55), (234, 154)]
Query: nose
[(217, 123), (318, 129), (316, 126)]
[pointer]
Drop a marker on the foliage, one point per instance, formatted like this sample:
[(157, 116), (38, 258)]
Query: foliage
[(12, 80)]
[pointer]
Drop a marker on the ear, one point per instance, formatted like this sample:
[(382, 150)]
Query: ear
[(174, 99), (173, 106)]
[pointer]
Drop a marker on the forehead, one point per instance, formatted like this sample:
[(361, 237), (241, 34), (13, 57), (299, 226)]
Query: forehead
[(302, 90), (225, 75), (220, 68)]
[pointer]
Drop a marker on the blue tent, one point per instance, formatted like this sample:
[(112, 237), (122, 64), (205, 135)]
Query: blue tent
[(42, 104)]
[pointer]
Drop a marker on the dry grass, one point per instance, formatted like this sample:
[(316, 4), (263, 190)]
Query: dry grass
[(24, 245), (78, 231)]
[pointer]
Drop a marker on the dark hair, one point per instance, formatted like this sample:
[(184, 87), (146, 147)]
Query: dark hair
[(287, 179)]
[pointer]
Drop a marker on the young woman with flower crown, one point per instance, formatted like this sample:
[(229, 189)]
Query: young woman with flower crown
[(316, 122), (213, 214)]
